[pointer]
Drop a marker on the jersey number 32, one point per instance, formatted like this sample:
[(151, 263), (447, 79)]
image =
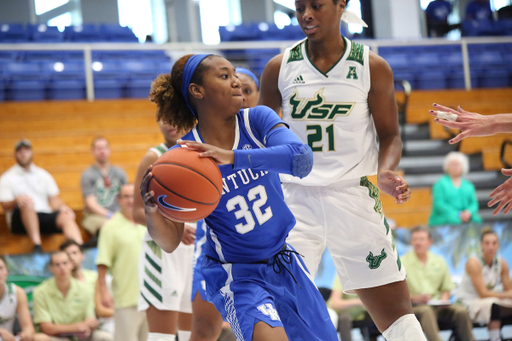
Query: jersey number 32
[(245, 212)]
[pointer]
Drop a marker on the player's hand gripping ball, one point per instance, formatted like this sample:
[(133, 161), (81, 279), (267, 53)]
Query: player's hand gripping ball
[(187, 187)]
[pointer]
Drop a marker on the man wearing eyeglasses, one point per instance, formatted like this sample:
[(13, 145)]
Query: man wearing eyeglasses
[(100, 186)]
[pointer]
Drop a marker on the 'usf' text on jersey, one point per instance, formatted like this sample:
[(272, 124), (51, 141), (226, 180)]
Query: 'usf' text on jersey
[(317, 108)]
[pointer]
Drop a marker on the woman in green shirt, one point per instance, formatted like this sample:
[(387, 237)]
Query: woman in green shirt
[(454, 198)]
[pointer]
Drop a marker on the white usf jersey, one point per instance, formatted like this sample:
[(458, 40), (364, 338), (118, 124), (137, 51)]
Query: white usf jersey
[(329, 111)]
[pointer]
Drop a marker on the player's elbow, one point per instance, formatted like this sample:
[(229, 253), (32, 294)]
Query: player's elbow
[(302, 162)]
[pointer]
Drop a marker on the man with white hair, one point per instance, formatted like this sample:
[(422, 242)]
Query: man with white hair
[(453, 197)]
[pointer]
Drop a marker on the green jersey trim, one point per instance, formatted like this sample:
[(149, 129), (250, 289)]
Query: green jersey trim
[(332, 67), (356, 53), (296, 53)]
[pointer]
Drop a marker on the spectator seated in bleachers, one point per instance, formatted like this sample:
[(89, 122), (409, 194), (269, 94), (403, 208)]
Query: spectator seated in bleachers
[(479, 10), (485, 288), (75, 252), (453, 197), (430, 283), (350, 310), (63, 308), (119, 248), (437, 18), (100, 186), (13, 303), (30, 198)]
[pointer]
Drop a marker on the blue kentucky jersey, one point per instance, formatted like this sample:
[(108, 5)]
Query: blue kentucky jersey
[(251, 221)]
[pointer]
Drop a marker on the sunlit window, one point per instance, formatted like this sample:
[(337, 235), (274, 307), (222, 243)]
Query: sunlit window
[(218, 13), (136, 14), (355, 6), (43, 6), (61, 21), (281, 19), (424, 3), (497, 4)]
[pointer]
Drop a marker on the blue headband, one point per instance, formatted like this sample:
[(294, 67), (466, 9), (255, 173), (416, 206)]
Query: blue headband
[(250, 74), (188, 71)]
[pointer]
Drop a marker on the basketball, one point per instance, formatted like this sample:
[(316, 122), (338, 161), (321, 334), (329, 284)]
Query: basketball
[(187, 187)]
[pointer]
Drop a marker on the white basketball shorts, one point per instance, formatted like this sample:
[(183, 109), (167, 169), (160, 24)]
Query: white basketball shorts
[(346, 217), (165, 278)]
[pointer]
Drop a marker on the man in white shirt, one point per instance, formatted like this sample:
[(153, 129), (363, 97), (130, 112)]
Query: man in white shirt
[(30, 198)]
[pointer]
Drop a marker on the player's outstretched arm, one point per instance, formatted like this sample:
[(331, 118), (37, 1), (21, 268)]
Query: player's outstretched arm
[(382, 104), (471, 123), (269, 90), (502, 194), (166, 233)]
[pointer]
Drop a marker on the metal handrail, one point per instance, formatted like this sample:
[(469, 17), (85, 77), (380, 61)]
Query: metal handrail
[(402, 108), (194, 47)]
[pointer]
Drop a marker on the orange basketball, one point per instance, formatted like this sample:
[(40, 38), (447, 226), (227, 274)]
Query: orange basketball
[(187, 187)]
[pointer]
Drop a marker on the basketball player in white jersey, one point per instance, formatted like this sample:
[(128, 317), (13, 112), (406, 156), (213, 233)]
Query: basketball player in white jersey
[(338, 97), (13, 303), (165, 279)]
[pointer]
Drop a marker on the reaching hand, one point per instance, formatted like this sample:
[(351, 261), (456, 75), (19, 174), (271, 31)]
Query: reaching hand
[(502, 194), (219, 155), (469, 123), (150, 205), (189, 235), (394, 185)]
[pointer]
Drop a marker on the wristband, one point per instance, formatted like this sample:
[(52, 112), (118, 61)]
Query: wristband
[(110, 214)]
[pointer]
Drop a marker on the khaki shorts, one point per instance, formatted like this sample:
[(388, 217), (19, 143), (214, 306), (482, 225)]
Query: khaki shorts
[(346, 218), (93, 222)]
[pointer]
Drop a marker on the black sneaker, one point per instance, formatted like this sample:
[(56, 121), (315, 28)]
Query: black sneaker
[(37, 249)]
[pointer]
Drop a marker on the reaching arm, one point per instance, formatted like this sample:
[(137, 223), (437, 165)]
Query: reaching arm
[(139, 214), (165, 232), (285, 154), (269, 93), (472, 123), (27, 328), (101, 310), (474, 269), (382, 104), (106, 298)]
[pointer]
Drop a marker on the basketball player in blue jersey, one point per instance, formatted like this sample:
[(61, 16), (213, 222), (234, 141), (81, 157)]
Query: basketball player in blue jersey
[(256, 281), (338, 97), (165, 288), (206, 320)]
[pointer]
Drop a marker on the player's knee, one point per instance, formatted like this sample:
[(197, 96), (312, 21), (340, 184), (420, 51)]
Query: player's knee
[(303, 162), (28, 206)]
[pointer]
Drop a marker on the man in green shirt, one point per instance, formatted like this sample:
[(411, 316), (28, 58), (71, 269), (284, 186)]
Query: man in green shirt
[(75, 252), (63, 308), (119, 246), (429, 284)]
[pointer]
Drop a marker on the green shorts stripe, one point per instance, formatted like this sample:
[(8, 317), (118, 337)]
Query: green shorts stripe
[(153, 263), (153, 291), (153, 277), (145, 299)]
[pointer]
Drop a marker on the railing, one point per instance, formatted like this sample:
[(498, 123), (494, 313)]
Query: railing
[(282, 45)]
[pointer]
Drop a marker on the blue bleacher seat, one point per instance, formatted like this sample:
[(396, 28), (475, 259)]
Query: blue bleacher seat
[(455, 79), (45, 34), (85, 33), (13, 33), (485, 59), (67, 89), (493, 78), (43, 55), (425, 60), (27, 90), (109, 70), (8, 56), (399, 62), (428, 80), (2, 91), (24, 71), (118, 33), (451, 61), (107, 88), (408, 76), (138, 88), (65, 70)]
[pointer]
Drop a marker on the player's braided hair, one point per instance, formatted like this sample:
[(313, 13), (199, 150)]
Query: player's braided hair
[(166, 93)]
